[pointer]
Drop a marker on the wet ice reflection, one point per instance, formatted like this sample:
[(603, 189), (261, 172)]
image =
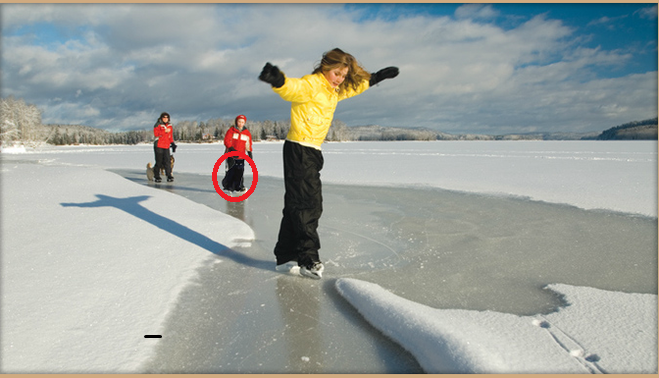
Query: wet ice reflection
[(477, 252)]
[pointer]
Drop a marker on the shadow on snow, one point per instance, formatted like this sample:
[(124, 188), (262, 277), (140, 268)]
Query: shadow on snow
[(132, 206)]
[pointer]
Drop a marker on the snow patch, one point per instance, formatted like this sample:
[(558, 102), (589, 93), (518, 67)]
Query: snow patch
[(570, 340), (92, 262), (13, 149)]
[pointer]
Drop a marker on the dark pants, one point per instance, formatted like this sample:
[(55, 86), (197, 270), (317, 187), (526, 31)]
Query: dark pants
[(163, 160), (303, 205), (233, 179)]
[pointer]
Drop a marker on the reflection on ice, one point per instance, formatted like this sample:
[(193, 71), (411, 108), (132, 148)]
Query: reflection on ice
[(461, 250)]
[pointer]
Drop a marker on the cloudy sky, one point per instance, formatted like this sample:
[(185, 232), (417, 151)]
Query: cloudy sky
[(500, 68)]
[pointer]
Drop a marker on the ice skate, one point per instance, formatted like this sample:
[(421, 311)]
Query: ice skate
[(290, 267), (314, 271)]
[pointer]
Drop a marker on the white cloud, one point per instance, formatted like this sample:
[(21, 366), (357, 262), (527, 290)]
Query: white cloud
[(648, 12), (201, 61)]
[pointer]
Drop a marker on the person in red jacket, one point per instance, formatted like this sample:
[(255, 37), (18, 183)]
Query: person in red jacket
[(164, 133), (237, 138)]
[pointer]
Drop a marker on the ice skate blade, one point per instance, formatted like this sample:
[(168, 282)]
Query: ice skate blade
[(308, 273), (290, 267)]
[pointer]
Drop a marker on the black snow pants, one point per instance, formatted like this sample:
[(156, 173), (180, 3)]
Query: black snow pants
[(303, 204), (233, 179), (163, 160)]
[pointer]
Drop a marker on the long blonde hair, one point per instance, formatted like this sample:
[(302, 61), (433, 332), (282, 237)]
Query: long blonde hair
[(337, 58)]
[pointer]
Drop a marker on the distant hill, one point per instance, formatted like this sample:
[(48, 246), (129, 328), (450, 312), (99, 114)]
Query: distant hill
[(383, 133), (551, 136), (374, 132), (637, 130)]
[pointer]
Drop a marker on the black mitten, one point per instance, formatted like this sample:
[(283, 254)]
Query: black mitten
[(173, 146), (385, 73), (272, 75), (249, 153)]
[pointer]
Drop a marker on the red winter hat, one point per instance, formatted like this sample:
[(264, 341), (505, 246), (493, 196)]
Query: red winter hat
[(241, 116)]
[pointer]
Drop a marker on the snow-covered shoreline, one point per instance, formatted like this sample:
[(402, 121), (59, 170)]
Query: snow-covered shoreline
[(92, 263)]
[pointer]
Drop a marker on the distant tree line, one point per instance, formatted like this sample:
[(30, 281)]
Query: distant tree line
[(79, 134), (184, 131), (21, 123), (636, 130)]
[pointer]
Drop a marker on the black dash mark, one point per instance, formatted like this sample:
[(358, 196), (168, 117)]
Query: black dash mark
[(153, 336)]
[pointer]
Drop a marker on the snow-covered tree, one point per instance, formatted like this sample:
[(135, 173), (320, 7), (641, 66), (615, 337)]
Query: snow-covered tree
[(8, 129), (21, 122)]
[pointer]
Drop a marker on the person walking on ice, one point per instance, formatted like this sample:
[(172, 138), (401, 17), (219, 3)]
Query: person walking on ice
[(164, 134), (237, 138), (314, 98)]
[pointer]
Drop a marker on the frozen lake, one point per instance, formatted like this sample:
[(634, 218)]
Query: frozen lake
[(619, 176), (441, 248), (457, 225), (445, 249)]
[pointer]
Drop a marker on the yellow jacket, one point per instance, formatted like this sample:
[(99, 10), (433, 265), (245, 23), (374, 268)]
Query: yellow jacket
[(313, 104)]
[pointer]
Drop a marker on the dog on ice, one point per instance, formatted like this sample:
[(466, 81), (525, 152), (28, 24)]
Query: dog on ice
[(149, 169)]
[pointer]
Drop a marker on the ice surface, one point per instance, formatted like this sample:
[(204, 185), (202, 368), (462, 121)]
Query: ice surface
[(236, 319), (395, 226), (448, 244)]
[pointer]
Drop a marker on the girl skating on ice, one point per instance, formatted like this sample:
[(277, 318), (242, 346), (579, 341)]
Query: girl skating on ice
[(237, 138), (314, 98)]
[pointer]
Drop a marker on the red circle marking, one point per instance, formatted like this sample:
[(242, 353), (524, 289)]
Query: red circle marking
[(255, 179)]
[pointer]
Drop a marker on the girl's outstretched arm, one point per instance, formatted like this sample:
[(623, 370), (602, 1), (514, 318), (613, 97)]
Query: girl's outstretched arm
[(385, 73)]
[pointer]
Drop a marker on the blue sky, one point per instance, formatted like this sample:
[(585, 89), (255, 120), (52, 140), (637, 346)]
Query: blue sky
[(477, 68), (608, 25)]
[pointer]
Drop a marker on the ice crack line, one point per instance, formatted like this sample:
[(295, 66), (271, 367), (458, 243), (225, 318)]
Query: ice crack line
[(369, 239), (570, 345)]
